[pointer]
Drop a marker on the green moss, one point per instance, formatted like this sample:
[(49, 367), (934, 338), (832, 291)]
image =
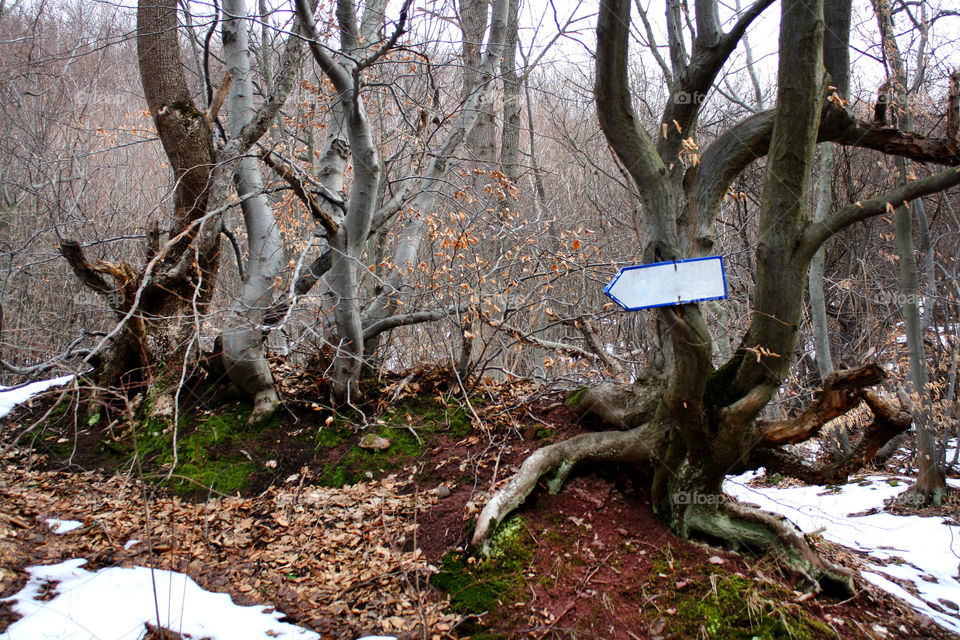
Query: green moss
[(476, 583), (574, 398), (356, 463), (329, 438), (210, 451), (411, 426), (543, 433), (720, 604), (429, 416)]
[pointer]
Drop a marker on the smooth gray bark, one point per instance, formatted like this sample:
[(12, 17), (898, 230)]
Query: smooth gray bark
[(818, 308), (348, 243), (243, 355)]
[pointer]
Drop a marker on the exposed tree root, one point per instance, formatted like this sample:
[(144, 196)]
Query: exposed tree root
[(265, 404), (559, 459), (746, 528), (725, 522), (623, 406)]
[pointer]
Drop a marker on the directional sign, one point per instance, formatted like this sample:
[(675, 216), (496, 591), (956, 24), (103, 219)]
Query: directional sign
[(665, 283)]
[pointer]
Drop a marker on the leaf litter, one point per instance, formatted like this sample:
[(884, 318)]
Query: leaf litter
[(342, 562)]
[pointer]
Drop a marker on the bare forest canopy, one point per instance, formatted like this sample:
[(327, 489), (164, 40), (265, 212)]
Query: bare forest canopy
[(192, 190)]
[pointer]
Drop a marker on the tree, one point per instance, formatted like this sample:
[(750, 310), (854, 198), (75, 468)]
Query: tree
[(158, 305), (930, 487), (705, 423)]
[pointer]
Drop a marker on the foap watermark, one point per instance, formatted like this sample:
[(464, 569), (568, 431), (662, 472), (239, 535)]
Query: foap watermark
[(86, 298), (686, 97), (692, 497), (898, 299), (909, 499)]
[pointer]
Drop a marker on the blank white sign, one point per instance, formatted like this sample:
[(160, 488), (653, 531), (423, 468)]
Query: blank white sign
[(666, 283)]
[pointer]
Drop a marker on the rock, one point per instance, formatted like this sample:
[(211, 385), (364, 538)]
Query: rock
[(442, 491), (373, 441)]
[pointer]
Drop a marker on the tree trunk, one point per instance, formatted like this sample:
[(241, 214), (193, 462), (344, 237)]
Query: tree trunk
[(930, 487), (243, 355), (818, 307)]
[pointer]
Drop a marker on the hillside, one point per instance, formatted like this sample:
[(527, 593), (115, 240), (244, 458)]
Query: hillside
[(347, 541)]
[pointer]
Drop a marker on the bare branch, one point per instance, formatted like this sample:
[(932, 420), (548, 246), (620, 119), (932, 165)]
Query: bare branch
[(817, 233)]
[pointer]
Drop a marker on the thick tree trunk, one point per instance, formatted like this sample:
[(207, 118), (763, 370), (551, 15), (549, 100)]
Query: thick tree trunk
[(155, 305)]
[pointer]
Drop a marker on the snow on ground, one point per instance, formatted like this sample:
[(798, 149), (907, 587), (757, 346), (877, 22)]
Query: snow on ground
[(61, 527), (923, 551), (114, 604), (12, 396), (66, 602)]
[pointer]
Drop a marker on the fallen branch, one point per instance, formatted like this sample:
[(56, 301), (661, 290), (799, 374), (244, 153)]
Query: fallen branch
[(889, 421), (842, 391)]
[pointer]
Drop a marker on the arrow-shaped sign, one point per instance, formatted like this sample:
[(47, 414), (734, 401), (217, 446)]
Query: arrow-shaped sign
[(665, 283)]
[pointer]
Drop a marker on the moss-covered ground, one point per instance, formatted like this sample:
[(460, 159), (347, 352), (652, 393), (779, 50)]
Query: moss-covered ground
[(481, 583), (411, 427), (716, 602)]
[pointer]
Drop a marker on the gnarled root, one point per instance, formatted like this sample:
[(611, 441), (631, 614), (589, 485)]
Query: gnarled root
[(559, 460), (889, 422), (746, 528)]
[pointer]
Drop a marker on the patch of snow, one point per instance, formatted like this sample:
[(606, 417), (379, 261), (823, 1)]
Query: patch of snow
[(917, 549), (61, 527), (115, 603), (950, 450), (12, 396), (130, 544)]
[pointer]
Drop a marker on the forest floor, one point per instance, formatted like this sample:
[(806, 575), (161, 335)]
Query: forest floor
[(359, 525)]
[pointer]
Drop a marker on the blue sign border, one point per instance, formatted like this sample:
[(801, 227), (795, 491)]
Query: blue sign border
[(606, 289)]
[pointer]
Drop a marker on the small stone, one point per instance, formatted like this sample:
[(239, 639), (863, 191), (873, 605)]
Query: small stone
[(715, 560), (373, 441), (442, 491)]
